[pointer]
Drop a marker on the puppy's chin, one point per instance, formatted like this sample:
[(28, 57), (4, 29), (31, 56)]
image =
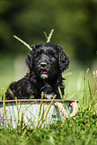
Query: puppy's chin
[(44, 76)]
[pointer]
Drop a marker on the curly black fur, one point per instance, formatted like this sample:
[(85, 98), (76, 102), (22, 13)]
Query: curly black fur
[(46, 62)]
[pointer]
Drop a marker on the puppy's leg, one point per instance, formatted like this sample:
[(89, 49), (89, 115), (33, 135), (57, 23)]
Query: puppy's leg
[(9, 94)]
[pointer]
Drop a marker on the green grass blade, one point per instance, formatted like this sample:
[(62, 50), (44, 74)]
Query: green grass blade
[(50, 106), (17, 110), (40, 109)]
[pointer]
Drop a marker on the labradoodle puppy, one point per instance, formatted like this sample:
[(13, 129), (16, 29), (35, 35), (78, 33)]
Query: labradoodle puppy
[(46, 62)]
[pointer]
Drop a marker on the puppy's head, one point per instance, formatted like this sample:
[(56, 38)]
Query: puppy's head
[(47, 60)]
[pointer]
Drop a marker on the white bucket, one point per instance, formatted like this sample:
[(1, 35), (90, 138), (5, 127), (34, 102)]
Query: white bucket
[(31, 113)]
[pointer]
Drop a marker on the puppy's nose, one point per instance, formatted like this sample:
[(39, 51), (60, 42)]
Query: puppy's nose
[(43, 64)]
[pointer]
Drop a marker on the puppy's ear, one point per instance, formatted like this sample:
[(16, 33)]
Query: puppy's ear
[(63, 59), (29, 60)]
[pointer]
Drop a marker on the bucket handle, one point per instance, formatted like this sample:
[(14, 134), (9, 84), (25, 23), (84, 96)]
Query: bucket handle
[(62, 110)]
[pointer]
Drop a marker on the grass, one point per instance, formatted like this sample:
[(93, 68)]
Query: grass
[(80, 129)]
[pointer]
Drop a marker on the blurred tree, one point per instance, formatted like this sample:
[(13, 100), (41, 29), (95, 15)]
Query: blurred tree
[(85, 42), (74, 22)]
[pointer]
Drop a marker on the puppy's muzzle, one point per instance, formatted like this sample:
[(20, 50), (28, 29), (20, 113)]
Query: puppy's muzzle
[(43, 65), (44, 71)]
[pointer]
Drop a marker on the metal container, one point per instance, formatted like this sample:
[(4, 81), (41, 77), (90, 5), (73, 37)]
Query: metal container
[(34, 112)]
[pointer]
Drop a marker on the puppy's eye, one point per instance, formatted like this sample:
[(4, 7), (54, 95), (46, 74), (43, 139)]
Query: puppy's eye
[(37, 54), (51, 53)]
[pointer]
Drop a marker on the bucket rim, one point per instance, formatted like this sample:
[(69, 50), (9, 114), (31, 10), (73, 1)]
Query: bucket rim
[(38, 100)]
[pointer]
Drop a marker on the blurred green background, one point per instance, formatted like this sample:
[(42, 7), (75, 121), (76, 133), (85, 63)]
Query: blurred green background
[(75, 25)]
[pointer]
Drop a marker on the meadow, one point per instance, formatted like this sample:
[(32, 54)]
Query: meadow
[(81, 129)]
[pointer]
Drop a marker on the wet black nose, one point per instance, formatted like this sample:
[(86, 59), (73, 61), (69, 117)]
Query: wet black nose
[(43, 64)]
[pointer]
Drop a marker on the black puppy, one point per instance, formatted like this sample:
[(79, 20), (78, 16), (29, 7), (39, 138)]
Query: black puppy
[(46, 62)]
